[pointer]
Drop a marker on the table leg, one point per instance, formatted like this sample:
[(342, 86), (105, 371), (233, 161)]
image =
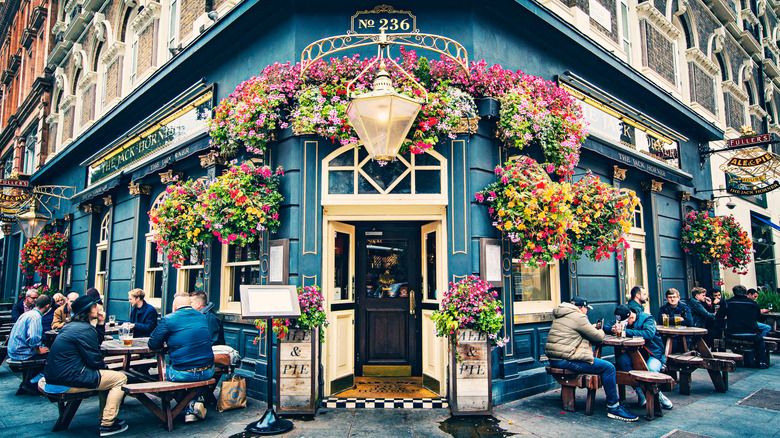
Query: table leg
[(67, 411), (637, 361), (126, 362), (668, 346), (160, 367), (715, 376)]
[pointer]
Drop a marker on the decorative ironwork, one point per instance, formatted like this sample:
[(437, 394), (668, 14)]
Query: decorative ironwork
[(170, 176), (436, 43), (68, 217), (137, 189), (618, 173)]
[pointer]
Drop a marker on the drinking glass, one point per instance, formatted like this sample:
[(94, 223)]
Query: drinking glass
[(112, 320), (665, 318), (770, 307), (124, 335), (677, 321)]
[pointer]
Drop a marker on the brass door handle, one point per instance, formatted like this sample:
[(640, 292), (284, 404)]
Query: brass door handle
[(412, 302)]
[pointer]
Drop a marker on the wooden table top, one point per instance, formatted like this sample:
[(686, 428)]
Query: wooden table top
[(774, 315), (682, 331), (115, 346), (613, 341)]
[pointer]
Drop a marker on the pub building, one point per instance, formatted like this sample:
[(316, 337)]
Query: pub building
[(347, 225)]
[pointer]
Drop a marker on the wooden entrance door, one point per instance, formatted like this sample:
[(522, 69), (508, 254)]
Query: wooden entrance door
[(388, 301)]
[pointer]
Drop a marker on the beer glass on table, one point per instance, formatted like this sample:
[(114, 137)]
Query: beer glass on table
[(111, 320), (125, 336), (665, 319), (677, 321)]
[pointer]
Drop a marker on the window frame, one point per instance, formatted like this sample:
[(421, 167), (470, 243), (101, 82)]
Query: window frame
[(182, 278), (227, 304), (150, 272), (174, 19), (102, 250), (543, 306)]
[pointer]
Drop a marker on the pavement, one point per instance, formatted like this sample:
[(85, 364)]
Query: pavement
[(703, 413)]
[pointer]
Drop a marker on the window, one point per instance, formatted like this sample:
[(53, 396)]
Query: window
[(173, 25), (190, 276), (101, 259), (31, 139), (763, 245), (134, 61), (635, 255), (240, 266), (623, 29), (8, 165), (535, 290), (153, 273)]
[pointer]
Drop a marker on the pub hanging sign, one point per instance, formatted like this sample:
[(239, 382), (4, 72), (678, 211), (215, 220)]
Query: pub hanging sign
[(751, 172)]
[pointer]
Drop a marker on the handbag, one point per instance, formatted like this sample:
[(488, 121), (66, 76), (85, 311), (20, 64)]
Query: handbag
[(232, 393)]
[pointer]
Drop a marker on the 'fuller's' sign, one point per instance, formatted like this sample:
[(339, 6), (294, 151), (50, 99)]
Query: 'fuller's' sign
[(755, 140)]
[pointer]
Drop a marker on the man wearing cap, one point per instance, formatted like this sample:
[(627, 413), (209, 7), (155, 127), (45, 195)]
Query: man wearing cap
[(641, 325), (569, 347), (75, 363)]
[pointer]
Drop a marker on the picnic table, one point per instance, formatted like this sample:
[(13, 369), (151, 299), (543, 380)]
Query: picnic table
[(140, 347), (50, 335), (650, 382), (718, 365), (771, 319)]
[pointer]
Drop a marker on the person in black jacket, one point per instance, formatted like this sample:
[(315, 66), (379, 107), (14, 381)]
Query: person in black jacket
[(75, 364), (24, 305), (702, 317), (186, 331), (739, 316), (200, 302), (143, 316)]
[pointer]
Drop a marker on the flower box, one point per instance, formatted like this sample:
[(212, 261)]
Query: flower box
[(298, 372), (470, 374)]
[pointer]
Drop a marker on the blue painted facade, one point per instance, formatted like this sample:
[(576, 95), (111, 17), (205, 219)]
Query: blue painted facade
[(515, 34)]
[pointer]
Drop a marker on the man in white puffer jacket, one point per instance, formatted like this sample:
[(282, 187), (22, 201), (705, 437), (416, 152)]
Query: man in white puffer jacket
[(569, 347)]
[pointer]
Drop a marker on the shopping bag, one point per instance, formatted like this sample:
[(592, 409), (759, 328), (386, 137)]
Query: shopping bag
[(232, 393)]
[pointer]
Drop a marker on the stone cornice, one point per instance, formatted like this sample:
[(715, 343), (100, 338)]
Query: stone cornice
[(58, 27), (113, 52), (695, 55), (748, 15), (732, 88), (648, 11), (757, 111), (52, 118), (67, 101), (87, 79), (145, 17)]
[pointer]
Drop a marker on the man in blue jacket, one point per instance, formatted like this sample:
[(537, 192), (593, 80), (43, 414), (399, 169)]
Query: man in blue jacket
[(186, 331), (641, 325), (143, 316)]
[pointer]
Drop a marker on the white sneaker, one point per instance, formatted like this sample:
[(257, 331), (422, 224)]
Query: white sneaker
[(665, 402), (190, 418)]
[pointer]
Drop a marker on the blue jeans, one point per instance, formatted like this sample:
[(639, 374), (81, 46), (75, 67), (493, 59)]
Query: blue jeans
[(764, 328), (599, 366), (188, 376), (623, 363)]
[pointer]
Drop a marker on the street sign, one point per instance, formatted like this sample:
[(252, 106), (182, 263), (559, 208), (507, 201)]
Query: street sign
[(756, 140), (14, 183)]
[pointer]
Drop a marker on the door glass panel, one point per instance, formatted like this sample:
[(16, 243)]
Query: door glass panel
[(428, 181), (341, 268), (384, 174), (531, 284), (365, 187), (345, 159), (430, 265), (404, 187), (341, 182), (387, 269), (638, 268)]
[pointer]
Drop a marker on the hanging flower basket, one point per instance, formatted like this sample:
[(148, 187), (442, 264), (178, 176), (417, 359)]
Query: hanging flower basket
[(241, 203), (176, 222), (44, 254), (603, 216), (533, 211), (716, 240)]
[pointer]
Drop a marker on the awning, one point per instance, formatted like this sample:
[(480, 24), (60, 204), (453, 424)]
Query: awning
[(96, 191), (759, 218), (170, 157)]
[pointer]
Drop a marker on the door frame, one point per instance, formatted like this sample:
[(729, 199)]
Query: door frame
[(383, 213)]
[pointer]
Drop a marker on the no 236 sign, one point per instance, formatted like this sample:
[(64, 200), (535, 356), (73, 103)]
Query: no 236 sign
[(384, 18)]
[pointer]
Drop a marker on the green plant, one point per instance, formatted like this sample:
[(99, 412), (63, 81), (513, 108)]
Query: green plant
[(312, 315), (765, 298)]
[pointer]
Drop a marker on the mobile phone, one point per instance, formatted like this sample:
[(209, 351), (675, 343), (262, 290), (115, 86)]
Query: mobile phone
[(600, 324)]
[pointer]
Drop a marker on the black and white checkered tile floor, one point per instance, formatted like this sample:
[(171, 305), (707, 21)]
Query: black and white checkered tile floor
[(385, 403)]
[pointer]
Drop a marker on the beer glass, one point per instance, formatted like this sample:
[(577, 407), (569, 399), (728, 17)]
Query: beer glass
[(677, 321), (111, 320), (125, 336), (665, 318)]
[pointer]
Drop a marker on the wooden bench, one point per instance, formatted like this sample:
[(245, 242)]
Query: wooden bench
[(570, 381), (747, 350), (29, 369), (685, 364), (134, 363), (651, 384), (67, 404), (166, 391)]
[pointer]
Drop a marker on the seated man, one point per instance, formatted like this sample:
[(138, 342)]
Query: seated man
[(62, 313), (568, 347), (641, 325), (763, 328), (739, 317), (638, 299), (186, 331), (702, 317), (75, 364), (25, 341), (24, 305), (143, 316), (201, 303), (674, 307)]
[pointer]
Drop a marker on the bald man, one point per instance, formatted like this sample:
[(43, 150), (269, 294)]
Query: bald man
[(189, 346), (62, 313)]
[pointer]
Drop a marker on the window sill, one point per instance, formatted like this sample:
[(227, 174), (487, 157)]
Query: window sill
[(528, 318), (228, 316)]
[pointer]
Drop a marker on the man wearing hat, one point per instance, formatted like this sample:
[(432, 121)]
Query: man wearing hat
[(641, 325), (569, 347), (75, 363)]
